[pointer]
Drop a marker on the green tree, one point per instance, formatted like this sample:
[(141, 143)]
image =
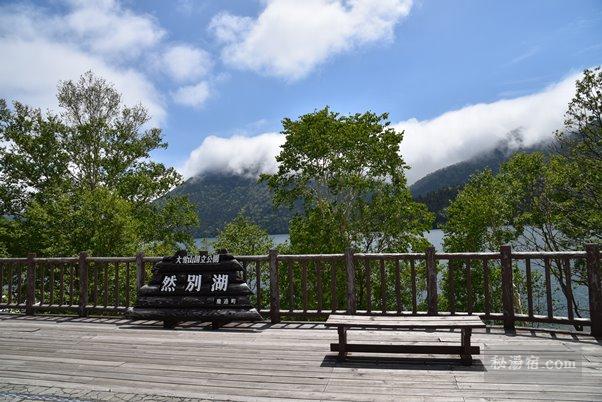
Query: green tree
[(348, 176), (555, 201), (7, 230), (97, 221), (83, 180), (515, 206), (579, 164), (241, 236), (538, 202), (477, 219)]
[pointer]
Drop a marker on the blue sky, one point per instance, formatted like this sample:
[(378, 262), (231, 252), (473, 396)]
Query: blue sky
[(218, 76)]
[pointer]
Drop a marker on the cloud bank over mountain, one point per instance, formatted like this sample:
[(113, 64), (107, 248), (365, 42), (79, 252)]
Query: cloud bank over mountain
[(461, 134), (428, 144), (237, 154)]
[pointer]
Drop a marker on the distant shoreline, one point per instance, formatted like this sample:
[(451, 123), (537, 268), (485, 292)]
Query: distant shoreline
[(435, 236)]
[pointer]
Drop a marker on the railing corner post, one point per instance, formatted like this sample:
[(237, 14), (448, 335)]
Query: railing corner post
[(431, 279), (83, 284), (274, 287), (507, 287), (595, 288), (139, 270), (351, 306), (31, 284)]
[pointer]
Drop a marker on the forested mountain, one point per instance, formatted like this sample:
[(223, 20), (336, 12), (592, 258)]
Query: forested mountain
[(457, 174), (438, 200), (439, 188), (220, 197)]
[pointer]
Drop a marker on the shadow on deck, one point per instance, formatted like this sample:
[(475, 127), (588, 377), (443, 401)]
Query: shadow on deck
[(108, 358)]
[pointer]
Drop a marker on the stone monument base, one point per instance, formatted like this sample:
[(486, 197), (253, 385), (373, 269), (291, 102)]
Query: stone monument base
[(171, 316)]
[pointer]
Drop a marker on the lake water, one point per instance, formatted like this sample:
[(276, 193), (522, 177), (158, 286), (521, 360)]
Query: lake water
[(435, 237)]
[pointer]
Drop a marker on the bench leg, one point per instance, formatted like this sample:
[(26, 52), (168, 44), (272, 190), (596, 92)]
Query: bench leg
[(169, 324), (217, 324), (466, 356), (342, 330)]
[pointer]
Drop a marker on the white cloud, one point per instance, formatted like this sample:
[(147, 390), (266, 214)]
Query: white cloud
[(185, 63), (39, 48), (460, 134), (108, 28), (290, 38), (228, 28), (37, 65), (192, 95), (428, 144), (236, 154), (99, 27)]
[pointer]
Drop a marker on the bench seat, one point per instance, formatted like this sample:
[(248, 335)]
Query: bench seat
[(465, 323)]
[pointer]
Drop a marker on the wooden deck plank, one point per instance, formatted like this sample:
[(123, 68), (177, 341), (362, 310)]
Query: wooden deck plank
[(262, 361)]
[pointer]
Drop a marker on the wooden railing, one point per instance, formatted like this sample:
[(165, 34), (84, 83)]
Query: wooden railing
[(507, 286)]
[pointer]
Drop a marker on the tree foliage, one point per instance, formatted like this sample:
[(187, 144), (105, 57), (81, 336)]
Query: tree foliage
[(579, 164), (537, 201), (477, 218), (349, 178), (241, 236), (83, 180), (345, 177), (541, 202)]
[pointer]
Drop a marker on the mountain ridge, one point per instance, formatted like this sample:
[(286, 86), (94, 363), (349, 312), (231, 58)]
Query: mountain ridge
[(219, 196), (437, 189), (458, 173)]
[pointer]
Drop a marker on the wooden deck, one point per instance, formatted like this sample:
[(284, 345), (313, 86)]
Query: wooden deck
[(117, 359)]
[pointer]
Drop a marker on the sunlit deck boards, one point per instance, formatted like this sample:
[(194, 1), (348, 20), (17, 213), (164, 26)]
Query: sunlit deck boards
[(92, 358)]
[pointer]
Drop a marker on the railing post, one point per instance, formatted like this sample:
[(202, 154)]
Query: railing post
[(351, 307), (507, 287), (139, 270), (31, 284), (83, 284), (431, 281), (274, 287), (595, 289)]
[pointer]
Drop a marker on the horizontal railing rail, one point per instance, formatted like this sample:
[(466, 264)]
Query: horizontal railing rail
[(509, 286)]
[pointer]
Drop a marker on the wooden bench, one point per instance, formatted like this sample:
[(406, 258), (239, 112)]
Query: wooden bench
[(465, 323)]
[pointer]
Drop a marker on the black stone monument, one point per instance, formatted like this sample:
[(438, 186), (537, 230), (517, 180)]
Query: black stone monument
[(205, 287)]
